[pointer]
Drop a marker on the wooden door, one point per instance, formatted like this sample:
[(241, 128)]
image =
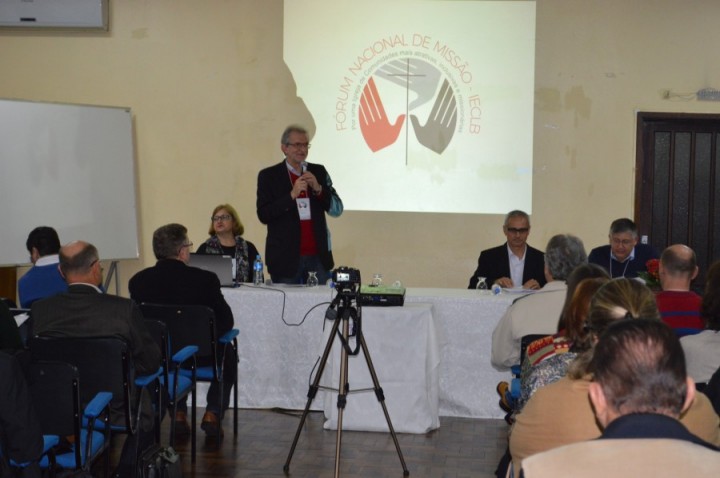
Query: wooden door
[(677, 186)]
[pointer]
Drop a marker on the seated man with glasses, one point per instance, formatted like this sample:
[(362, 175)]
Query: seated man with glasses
[(293, 197), (513, 264), (624, 256), (172, 281), (85, 311)]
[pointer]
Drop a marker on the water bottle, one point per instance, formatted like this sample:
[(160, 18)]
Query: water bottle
[(496, 289), (258, 271)]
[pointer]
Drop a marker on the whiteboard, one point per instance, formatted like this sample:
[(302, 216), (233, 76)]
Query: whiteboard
[(70, 167)]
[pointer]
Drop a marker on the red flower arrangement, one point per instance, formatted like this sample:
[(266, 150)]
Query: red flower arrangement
[(652, 275)]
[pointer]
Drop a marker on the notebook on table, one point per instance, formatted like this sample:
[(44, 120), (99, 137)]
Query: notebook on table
[(221, 266)]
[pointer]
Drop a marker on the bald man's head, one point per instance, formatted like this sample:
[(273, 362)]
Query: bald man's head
[(79, 262)]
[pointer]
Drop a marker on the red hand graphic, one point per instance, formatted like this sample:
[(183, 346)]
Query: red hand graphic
[(374, 124)]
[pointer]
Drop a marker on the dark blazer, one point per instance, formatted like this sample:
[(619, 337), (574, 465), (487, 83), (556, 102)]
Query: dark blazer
[(495, 263), (629, 268), (277, 210), (171, 281), (82, 311)]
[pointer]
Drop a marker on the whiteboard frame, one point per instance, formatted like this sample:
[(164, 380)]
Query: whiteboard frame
[(71, 167)]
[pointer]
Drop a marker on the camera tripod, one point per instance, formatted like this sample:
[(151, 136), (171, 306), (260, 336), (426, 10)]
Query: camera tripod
[(347, 309)]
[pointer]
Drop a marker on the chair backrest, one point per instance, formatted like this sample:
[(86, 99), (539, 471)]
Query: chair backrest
[(9, 302), (187, 325), (525, 341), (104, 364), (159, 333), (55, 392)]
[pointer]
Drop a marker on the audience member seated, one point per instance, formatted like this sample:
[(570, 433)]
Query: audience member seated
[(9, 334), (560, 413), (679, 306), (43, 279), (537, 313), (514, 264), (639, 390), (85, 311), (21, 437), (226, 232), (552, 365), (702, 351), (172, 281), (558, 343), (624, 256)]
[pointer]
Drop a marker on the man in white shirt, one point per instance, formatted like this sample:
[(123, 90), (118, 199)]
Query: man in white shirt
[(514, 264)]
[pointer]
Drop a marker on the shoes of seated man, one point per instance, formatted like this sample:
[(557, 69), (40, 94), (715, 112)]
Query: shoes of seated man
[(211, 424), (181, 423)]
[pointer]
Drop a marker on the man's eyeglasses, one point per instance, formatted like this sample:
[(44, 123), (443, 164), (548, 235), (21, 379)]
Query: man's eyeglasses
[(517, 230), (189, 244), (299, 145), (224, 217)]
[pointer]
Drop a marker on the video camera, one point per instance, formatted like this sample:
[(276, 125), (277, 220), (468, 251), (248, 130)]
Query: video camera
[(346, 279)]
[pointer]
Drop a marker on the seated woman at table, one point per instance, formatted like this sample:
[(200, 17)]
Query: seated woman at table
[(226, 232), (560, 413)]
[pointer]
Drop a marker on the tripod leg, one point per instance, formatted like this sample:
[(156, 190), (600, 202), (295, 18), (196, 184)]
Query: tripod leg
[(312, 391), (343, 387), (381, 398)]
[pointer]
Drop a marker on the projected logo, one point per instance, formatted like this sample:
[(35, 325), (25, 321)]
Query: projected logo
[(409, 86)]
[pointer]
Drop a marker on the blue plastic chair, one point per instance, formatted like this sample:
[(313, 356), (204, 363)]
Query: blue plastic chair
[(104, 364), (177, 386), (55, 389), (195, 325)]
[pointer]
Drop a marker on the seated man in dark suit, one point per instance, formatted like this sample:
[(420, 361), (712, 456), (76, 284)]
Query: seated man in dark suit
[(172, 281), (639, 390), (624, 256), (514, 264), (85, 311)]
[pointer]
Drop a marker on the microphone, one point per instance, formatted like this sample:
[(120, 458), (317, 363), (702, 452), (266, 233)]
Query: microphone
[(304, 167)]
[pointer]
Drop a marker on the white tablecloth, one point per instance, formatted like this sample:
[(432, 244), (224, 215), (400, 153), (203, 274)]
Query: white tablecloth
[(276, 360), (404, 346)]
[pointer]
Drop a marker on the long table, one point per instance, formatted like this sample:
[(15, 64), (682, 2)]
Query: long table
[(281, 338)]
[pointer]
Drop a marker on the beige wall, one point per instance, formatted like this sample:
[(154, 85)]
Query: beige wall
[(211, 94)]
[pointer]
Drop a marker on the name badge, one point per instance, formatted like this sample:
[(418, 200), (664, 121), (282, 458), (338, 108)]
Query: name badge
[(303, 205)]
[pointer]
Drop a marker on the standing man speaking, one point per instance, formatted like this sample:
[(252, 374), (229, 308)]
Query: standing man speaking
[(292, 199)]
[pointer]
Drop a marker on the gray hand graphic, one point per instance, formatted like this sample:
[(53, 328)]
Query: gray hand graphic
[(418, 76), (440, 126)]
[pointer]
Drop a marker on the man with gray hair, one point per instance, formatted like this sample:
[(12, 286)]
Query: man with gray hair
[(538, 313), (515, 263), (172, 281)]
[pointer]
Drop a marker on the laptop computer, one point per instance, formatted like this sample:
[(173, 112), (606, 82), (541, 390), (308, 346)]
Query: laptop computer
[(221, 266)]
